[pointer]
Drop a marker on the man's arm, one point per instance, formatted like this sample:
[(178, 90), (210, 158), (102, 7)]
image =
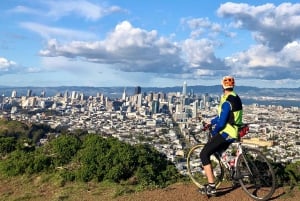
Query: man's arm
[(214, 121), (221, 121)]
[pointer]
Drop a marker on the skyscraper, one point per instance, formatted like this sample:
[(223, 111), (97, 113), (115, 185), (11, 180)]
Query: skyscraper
[(29, 92), (137, 90), (14, 94), (43, 94), (124, 94), (184, 88)]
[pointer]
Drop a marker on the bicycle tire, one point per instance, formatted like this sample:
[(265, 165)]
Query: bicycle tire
[(255, 174), (195, 167)]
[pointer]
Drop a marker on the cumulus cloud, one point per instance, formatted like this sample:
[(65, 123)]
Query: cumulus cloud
[(7, 66), (203, 27), (131, 49), (11, 67), (199, 54), (272, 26), (277, 32), (128, 48), (261, 62)]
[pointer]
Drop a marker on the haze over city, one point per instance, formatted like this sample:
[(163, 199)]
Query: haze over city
[(149, 43)]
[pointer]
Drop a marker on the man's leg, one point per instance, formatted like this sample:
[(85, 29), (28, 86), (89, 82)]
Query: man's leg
[(210, 188), (209, 173)]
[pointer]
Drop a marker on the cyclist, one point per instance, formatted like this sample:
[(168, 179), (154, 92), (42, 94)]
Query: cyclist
[(225, 130)]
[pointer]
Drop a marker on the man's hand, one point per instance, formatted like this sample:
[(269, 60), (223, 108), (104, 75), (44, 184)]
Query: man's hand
[(206, 126)]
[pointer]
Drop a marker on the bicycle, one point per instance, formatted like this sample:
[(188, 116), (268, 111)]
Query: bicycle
[(247, 166)]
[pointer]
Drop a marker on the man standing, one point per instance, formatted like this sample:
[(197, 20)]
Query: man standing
[(225, 130)]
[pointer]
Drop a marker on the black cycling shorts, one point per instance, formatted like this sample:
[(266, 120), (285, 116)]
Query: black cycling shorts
[(216, 144)]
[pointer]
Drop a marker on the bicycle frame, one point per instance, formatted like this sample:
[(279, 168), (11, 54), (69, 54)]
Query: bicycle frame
[(223, 156), (231, 168)]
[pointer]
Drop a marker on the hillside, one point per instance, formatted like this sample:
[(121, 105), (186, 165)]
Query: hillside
[(44, 189)]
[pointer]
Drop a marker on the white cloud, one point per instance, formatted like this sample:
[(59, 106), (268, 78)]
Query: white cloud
[(260, 61), (128, 48), (59, 9), (54, 32), (203, 27), (82, 8), (272, 26), (26, 10), (11, 67), (6, 66), (200, 54)]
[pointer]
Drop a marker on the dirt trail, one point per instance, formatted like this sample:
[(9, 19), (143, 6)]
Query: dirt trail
[(188, 192)]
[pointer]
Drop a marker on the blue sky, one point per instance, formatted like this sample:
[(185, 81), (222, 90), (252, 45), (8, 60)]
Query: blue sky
[(149, 43)]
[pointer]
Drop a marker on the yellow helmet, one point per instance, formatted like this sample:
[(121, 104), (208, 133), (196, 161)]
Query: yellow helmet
[(228, 82)]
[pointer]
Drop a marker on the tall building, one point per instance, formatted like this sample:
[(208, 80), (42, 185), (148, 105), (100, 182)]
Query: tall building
[(139, 100), (137, 90), (43, 94), (66, 94), (195, 109), (184, 88), (14, 94), (74, 95), (124, 94), (155, 106), (29, 92)]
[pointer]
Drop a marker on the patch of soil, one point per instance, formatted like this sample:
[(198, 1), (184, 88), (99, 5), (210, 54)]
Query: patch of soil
[(188, 192)]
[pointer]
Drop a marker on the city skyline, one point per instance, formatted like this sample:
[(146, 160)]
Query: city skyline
[(149, 43)]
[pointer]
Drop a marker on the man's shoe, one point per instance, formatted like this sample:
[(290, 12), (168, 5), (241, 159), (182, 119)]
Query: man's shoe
[(208, 190), (235, 184)]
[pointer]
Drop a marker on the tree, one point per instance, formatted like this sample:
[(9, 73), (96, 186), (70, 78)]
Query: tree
[(64, 148)]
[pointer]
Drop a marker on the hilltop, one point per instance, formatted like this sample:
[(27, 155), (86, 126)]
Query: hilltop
[(35, 189)]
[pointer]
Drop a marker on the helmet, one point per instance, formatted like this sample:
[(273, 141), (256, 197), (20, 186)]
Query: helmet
[(228, 82)]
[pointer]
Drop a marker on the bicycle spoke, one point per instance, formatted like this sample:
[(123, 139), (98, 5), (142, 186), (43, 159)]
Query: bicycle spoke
[(196, 171), (256, 175)]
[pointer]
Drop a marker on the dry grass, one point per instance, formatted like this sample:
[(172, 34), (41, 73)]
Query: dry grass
[(52, 188)]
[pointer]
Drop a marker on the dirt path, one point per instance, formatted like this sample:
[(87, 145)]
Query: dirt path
[(187, 192)]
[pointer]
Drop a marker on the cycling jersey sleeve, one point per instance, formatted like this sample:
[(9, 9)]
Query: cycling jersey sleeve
[(221, 121), (214, 121)]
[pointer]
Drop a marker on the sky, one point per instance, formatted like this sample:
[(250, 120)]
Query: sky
[(149, 43)]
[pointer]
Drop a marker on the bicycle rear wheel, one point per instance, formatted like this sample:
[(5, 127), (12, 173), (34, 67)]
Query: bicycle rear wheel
[(255, 174), (195, 167)]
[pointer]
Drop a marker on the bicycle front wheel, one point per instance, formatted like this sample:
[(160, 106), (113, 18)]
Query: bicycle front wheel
[(195, 167), (256, 174)]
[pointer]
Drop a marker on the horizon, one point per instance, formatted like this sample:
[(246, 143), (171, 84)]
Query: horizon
[(111, 43), (216, 85), (65, 86)]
